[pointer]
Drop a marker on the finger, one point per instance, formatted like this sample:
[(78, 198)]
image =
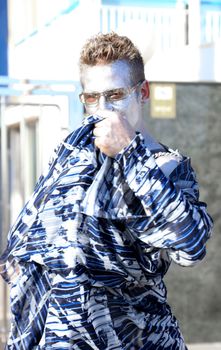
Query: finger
[(98, 132), (98, 142), (103, 124), (102, 130)]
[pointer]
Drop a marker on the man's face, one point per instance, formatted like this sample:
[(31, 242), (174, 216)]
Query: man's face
[(106, 77)]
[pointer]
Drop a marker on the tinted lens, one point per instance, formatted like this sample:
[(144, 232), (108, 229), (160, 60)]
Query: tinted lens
[(89, 99), (116, 94)]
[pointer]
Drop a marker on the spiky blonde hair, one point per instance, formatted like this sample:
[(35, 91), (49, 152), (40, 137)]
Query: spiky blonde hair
[(111, 47)]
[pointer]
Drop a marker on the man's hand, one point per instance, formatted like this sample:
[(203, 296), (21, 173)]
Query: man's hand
[(113, 133)]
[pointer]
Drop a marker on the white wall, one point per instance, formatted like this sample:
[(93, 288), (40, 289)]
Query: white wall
[(189, 64)]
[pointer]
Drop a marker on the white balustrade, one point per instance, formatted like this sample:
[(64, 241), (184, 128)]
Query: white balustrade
[(212, 26), (170, 27)]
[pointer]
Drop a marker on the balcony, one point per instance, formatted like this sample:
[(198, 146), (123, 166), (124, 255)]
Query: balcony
[(188, 38)]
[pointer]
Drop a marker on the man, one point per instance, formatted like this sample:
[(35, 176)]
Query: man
[(87, 255)]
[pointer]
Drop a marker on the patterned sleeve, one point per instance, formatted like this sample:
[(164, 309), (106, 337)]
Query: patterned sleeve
[(175, 219)]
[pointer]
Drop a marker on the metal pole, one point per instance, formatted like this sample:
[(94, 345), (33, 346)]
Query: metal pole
[(194, 23)]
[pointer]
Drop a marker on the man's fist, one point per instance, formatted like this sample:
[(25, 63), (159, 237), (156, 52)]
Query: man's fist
[(112, 133)]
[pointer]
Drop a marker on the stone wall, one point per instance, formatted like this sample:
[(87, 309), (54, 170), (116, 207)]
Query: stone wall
[(195, 293)]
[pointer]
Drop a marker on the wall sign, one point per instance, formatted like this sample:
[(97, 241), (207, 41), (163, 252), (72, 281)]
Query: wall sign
[(163, 101)]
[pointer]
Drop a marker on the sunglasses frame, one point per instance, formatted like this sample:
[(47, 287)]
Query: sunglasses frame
[(126, 92)]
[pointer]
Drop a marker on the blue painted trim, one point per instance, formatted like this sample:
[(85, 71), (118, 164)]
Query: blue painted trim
[(3, 38), (38, 87)]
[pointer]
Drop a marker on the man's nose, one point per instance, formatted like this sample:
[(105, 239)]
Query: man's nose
[(103, 103)]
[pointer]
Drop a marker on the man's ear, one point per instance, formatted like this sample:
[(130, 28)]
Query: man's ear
[(145, 91)]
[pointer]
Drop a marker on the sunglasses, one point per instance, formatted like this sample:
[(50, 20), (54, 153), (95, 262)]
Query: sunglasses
[(115, 95)]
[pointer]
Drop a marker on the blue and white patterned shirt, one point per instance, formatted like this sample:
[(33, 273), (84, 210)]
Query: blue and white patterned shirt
[(87, 255)]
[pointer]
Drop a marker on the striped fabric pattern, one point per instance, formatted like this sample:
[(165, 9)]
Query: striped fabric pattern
[(87, 255)]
